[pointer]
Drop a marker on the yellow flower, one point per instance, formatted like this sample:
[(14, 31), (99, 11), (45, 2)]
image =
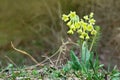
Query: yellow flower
[(72, 27), (84, 34), (86, 17), (91, 15), (65, 17), (79, 31), (70, 31), (72, 14), (87, 37), (84, 26), (77, 25), (81, 36), (69, 23), (92, 21), (94, 32), (89, 27)]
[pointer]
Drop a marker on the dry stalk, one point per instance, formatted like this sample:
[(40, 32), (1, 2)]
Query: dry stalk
[(49, 60), (61, 50), (25, 53)]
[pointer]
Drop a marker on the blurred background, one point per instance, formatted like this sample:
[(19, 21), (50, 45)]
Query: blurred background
[(36, 27)]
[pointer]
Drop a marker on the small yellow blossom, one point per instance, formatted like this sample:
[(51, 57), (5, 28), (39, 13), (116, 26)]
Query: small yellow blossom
[(79, 31), (72, 14), (65, 17), (94, 32), (69, 23), (84, 26), (70, 31), (89, 27), (92, 21), (84, 34), (87, 37), (72, 27), (91, 15), (81, 36), (77, 25), (86, 17)]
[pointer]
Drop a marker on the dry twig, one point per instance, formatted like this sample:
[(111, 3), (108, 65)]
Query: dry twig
[(25, 53)]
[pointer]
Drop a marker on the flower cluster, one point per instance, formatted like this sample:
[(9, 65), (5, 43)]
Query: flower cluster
[(84, 27)]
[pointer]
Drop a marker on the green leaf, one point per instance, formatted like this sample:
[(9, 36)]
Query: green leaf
[(85, 56), (74, 61), (67, 67), (96, 64), (83, 68), (117, 74), (115, 78)]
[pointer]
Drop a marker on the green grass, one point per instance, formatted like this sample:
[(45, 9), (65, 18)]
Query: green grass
[(24, 24)]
